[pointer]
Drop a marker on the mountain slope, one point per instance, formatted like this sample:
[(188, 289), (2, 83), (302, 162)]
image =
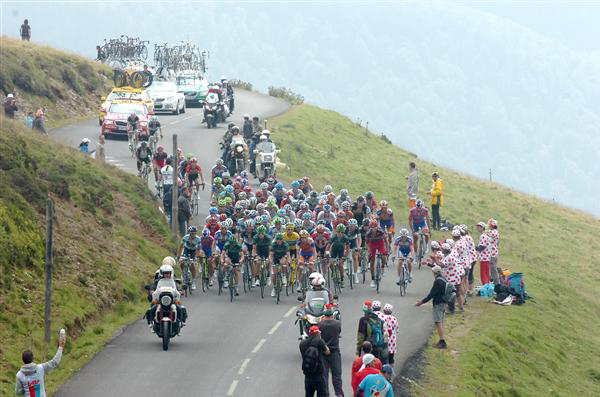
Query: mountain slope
[(547, 346)]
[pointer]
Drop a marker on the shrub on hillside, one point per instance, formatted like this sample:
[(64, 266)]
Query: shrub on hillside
[(286, 94), (241, 84)]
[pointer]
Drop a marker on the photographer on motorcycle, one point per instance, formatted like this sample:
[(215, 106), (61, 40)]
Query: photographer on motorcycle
[(228, 89), (263, 146), (236, 140)]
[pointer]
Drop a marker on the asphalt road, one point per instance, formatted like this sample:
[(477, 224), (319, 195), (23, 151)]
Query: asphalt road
[(245, 348)]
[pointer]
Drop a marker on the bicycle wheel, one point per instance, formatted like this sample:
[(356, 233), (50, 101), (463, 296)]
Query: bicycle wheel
[(263, 281), (278, 286), (144, 52), (231, 285), (220, 279), (402, 281), (349, 265), (287, 285), (377, 272)]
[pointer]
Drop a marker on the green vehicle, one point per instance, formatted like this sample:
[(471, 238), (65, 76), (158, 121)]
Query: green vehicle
[(194, 88)]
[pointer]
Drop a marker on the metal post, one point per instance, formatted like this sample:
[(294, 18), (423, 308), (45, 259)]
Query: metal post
[(490, 174), (48, 295), (174, 189)]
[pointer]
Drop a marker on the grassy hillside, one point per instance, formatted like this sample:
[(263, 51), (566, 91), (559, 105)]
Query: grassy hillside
[(109, 239), (68, 85), (547, 347)]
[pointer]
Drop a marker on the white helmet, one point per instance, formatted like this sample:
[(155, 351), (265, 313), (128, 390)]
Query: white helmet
[(266, 132), (223, 78), (166, 271), (246, 116), (327, 189), (263, 137), (169, 260), (314, 275)]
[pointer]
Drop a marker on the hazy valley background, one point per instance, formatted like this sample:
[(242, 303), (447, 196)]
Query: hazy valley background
[(455, 84)]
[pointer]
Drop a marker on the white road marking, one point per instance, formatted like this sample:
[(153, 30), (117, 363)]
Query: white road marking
[(243, 366), (174, 122), (272, 331), (187, 118), (232, 387), (259, 345), (289, 312)]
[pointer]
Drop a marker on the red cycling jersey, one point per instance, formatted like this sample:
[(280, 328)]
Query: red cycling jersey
[(321, 240), (306, 244), (193, 169)]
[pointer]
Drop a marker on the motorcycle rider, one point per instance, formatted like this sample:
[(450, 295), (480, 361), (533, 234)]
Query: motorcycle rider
[(228, 89), (263, 146), (236, 139), (164, 278)]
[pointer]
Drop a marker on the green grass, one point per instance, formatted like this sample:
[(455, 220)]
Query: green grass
[(68, 85), (547, 347), (109, 240)]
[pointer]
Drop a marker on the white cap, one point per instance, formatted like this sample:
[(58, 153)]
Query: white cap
[(85, 140), (10, 96)]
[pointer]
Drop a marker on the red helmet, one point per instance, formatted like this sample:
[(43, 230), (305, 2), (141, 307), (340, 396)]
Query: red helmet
[(259, 194), (373, 223), (213, 220), (237, 185), (320, 229), (341, 213), (247, 189), (222, 217)]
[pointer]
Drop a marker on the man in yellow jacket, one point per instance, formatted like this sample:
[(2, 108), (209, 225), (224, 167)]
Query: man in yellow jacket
[(437, 199)]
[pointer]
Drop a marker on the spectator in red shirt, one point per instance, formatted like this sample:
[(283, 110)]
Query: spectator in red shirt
[(367, 368), (366, 348)]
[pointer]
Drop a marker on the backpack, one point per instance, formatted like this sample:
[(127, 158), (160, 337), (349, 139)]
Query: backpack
[(449, 292), (376, 326), (311, 360), (516, 284)]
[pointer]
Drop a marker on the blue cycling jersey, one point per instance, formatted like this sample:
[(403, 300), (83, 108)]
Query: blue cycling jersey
[(191, 244), (220, 241), (404, 247)]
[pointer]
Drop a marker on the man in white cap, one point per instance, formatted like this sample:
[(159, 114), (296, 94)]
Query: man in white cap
[(10, 106), (439, 304), (365, 370)]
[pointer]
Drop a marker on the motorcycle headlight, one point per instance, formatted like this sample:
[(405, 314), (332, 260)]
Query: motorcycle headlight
[(239, 149), (312, 319), (166, 300)]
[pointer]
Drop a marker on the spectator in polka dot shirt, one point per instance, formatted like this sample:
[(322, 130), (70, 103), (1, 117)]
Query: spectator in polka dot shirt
[(453, 272), (392, 327)]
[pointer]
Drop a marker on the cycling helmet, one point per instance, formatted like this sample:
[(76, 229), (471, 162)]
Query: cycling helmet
[(242, 195), (264, 186), (352, 222), (404, 233), (287, 207), (253, 213), (314, 275), (270, 181), (249, 223), (327, 189), (387, 309), (166, 271), (229, 222), (383, 203), (346, 205), (213, 211), (435, 245), (265, 218), (419, 203), (281, 212), (222, 217), (232, 239), (435, 173), (205, 232), (481, 225), (316, 281), (298, 222), (376, 305), (369, 195), (303, 233), (246, 116), (154, 118), (373, 223), (327, 207), (266, 133), (321, 229), (277, 221), (260, 206), (261, 229), (217, 180), (230, 125), (263, 137), (321, 281), (279, 186), (279, 236), (144, 144), (192, 229), (365, 222), (189, 156), (229, 189), (235, 129), (219, 161), (289, 226), (314, 194), (340, 228), (295, 184), (169, 260), (271, 202), (492, 223), (306, 216)]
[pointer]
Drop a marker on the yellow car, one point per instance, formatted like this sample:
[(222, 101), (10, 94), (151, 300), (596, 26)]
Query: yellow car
[(125, 93)]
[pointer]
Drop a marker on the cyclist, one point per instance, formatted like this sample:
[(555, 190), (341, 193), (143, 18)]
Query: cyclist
[(321, 237), (189, 248), (154, 127), (313, 200), (133, 122), (360, 210), (386, 221), (143, 154), (343, 197), (375, 239), (218, 169), (307, 223), (233, 255), (207, 243), (279, 257), (291, 238), (261, 248), (354, 242), (327, 215), (307, 253), (159, 160), (371, 202), (192, 171), (405, 251), (338, 249), (418, 219)]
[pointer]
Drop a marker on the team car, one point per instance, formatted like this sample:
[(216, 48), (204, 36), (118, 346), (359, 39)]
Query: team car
[(125, 93), (166, 97), (115, 120), (193, 86)]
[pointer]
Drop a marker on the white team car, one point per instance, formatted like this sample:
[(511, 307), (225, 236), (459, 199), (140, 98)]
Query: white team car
[(166, 97)]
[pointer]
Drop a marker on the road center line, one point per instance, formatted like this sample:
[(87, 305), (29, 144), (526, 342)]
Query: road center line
[(174, 122), (272, 331), (289, 312), (232, 387), (259, 345), (187, 118), (243, 366)]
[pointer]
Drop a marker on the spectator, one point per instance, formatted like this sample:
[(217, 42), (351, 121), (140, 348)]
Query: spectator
[(495, 239), (184, 212), (412, 186), (437, 199), (100, 154), (29, 120), (312, 350), (377, 310), (149, 76), (10, 106), (101, 56), (166, 177), (38, 122), (377, 384), (439, 305), (366, 349), (392, 327), (84, 146), (371, 328), (331, 330), (26, 31), (247, 129), (366, 369), (30, 378)]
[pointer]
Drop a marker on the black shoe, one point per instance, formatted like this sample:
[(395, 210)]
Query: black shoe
[(441, 344)]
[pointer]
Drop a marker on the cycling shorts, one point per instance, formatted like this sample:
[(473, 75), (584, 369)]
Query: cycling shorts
[(321, 251), (249, 247), (294, 253), (375, 246), (264, 254), (419, 225), (387, 224), (207, 251), (337, 253), (353, 244), (403, 251), (306, 255), (277, 258), (189, 253), (192, 177), (235, 258)]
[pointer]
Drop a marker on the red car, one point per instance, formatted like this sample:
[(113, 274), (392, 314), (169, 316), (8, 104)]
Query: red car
[(115, 121)]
